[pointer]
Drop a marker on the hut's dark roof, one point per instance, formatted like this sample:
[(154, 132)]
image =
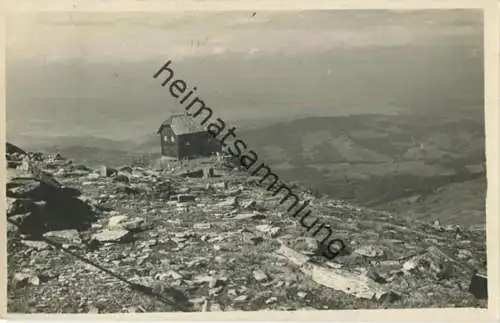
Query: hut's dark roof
[(182, 124)]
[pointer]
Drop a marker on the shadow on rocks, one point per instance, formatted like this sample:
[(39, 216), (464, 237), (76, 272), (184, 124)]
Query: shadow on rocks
[(60, 210)]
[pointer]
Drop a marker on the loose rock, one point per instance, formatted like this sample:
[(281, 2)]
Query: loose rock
[(244, 216), (241, 298), (201, 226), (64, 236), (260, 275), (370, 251), (37, 245), (271, 300), (113, 236)]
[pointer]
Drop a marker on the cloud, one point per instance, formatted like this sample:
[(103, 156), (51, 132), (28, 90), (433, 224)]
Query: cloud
[(140, 36)]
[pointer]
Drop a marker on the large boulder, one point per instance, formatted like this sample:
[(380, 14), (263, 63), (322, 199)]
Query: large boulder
[(479, 285), (11, 149), (104, 171), (19, 206)]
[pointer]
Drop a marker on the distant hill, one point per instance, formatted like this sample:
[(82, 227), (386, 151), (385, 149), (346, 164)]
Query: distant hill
[(374, 160), (94, 156), (462, 202), (96, 150)]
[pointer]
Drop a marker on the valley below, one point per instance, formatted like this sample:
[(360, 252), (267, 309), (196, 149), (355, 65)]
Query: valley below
[(417, 166), (425, 166)]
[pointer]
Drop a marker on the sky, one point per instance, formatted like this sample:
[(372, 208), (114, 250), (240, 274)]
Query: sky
[(90, 74), (139, 36)]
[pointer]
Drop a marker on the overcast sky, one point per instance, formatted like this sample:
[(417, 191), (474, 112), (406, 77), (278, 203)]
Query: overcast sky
[(140, 36), (91, 73)]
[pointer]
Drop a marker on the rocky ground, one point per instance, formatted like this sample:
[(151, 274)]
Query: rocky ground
[(178, 238)]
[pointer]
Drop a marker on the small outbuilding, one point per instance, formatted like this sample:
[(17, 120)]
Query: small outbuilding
[(182, 137)]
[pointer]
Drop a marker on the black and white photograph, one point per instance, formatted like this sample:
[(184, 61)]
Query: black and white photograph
[(245, 160)]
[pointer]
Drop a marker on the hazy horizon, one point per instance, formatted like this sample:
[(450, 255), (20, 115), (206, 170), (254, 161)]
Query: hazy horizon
[(90, 74)]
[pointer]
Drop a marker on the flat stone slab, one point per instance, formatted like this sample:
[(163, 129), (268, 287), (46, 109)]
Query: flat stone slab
[(244, 216), (113, 236), (358, 285), (64, 236)]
